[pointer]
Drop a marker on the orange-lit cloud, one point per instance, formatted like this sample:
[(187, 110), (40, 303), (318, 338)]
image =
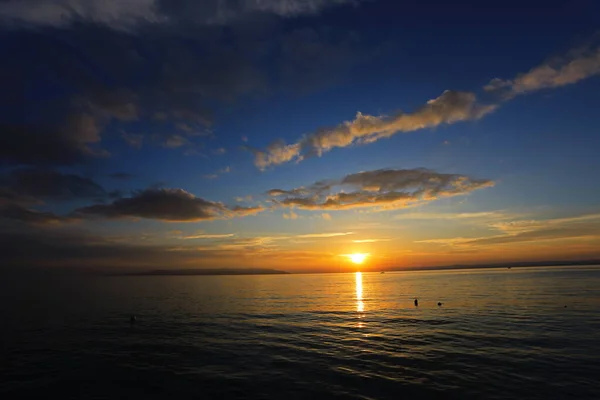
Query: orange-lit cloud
[(576, 66), (291, 215), (208, 236), (386, 188), (450, 107), (166, 205), (370, 240), (526, 231)]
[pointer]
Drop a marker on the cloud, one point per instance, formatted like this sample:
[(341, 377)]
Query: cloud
[(134, 140), (79, 63), (219, 151), (241, 199), (97, 73), (450, 107), (527, 231), (208, 236), (121, 176), (326, 216), (167, 205), (48, 184), (22, 214), (68, 143), (174, 141), (370, 240), (23, 188), (51, 246), (118, 14), (384, 188), (487, 215), (291, 215), (576, 66), (239, 211), (222, 171), (324, 235)]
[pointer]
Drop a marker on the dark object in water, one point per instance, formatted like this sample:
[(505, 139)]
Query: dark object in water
[(416, 303), (440, 303), (132, 319), (509, 267)]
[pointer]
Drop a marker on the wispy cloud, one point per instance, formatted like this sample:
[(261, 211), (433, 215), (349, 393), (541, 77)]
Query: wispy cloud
[(175, 141), (129, 14), (386, 189), (135, 140), (450, 107), (208, 236), (218, 173), (324, 235), (241, 199), (485, 215), (528, 231), (574, 67), (166, 205), (17, 212), (291, 215), (370, 240)]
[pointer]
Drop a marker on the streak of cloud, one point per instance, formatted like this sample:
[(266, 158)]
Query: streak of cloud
[(528, 231), (385, 188), (450, 107), (370, 240), (208, 236), (123, 15), (166, 205), (576, 66)]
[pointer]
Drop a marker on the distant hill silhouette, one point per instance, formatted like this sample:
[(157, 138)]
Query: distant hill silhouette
[(499, 265), (219, 271)]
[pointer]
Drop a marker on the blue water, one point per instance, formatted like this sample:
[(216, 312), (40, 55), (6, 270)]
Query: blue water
[(500, 334)]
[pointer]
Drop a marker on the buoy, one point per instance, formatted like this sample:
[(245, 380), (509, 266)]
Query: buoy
[(416, 302)]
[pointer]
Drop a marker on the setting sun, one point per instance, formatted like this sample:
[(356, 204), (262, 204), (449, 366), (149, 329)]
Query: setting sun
[(358, 258)]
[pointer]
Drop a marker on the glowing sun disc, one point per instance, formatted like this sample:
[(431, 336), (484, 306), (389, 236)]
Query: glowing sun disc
[(357, 258)]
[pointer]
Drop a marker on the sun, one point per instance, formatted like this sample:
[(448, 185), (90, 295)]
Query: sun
[(357, 258)]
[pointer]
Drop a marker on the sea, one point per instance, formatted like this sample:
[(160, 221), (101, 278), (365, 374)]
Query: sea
[(519, 333)]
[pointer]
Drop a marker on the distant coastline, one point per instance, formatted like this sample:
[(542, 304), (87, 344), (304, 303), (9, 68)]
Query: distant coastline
[(220, 271), (498, 265)]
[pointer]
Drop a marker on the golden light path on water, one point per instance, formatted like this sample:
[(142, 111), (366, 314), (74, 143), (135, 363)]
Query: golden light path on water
[(360, 305)]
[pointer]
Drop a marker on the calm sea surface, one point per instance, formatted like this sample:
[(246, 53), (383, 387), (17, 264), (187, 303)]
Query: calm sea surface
[(500, 334)]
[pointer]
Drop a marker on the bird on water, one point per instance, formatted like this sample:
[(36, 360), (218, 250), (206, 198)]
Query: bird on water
[(132, 319), (440, 303)]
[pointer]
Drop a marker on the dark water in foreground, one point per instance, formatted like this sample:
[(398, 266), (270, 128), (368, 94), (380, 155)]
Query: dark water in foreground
[(500, 334)]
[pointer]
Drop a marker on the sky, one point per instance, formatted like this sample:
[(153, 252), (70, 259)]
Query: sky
[(291, 134)]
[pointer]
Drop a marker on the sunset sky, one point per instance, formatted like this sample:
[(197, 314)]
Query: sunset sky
[(290, 134)]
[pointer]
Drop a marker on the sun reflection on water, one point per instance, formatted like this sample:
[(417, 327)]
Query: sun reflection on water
[(360, 305)]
